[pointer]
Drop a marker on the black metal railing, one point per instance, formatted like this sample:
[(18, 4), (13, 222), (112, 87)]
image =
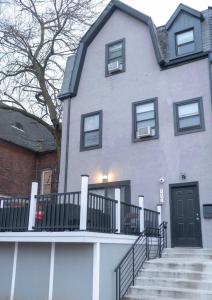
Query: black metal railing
[(133, 261), (101, 214), (14, 213), (130, 218), (58, 212), (162, 238), (151, 222)]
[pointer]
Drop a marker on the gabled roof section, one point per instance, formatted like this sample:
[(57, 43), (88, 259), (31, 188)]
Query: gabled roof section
[(69, 89), (25, 132), (183, 8)]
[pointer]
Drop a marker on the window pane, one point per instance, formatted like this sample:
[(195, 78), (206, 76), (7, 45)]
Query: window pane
[(91, 139), (146, 123), (189, 122), (185, 37), (188, 109), (144, 107), (145, 116), (46, 181), (91, 123), (115, 50), (187, 48)]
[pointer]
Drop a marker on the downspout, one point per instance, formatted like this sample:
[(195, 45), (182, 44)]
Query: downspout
[(210, 54), (67, 145)]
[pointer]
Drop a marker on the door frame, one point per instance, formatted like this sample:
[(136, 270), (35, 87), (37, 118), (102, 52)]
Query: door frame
[(184, 184)]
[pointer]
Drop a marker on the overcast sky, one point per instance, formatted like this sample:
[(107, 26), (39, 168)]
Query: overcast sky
[(161, 10)]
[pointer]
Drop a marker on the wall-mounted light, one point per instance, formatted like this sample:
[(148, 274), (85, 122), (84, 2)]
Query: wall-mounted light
[(104, 178)]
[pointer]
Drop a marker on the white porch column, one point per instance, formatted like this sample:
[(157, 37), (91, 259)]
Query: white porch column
[(84, 201), (118, 210), (33, 202), (141, 205), (96, 271), (159, 210)]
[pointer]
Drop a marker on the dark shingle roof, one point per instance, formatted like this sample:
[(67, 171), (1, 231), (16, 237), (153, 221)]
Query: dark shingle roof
[(25, 132)]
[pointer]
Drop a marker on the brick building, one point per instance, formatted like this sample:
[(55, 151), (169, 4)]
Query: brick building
[(27, 153)]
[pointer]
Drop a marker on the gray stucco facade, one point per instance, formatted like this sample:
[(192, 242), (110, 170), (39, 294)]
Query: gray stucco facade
[(143, 163)]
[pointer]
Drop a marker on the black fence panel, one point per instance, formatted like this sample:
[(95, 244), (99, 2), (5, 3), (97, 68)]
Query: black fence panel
[(101, 215), (151, 222), (130, 218), (58, 212), (14, 213)]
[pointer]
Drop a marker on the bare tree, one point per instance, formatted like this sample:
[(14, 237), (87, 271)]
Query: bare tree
[(35, 38)]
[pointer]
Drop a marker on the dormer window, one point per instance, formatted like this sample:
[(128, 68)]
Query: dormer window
[(185, 42), (115, 57)]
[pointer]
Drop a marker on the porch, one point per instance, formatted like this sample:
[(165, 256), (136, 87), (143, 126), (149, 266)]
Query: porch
[(77, 211)]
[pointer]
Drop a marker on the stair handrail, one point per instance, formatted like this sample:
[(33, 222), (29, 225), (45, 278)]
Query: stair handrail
[(139, 253)]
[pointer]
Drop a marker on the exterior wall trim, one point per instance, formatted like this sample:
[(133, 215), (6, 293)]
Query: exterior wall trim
[(67, 237)]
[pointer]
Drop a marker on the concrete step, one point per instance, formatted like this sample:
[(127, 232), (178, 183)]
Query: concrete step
[(179, 274), (174, 283), (203, 256), (176, 264), (174, 293), (131, 297), (198, 251)]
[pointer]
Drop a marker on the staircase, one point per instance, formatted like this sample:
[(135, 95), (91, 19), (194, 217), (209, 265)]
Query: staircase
[(181, 273)]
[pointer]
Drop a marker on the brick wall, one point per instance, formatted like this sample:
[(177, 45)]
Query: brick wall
[(19, 167)]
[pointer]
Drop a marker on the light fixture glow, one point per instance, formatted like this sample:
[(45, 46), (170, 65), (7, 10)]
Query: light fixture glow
[(104, 177)]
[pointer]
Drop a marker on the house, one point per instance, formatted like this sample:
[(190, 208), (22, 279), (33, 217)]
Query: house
[(137, 130), (27, 153), (137, 115)]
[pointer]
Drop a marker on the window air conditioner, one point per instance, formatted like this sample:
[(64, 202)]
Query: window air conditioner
[(114, 67), (144, 132)]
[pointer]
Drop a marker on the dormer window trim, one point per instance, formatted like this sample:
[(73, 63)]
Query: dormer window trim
[(177, 46)]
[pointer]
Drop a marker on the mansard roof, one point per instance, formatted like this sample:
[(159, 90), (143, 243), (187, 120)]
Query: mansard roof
[(159, 36), (73, 71)]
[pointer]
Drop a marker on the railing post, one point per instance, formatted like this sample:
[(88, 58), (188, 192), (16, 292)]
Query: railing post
[(32, 209), (133, 266), (159, 215), (141, 205), (118, 210), (84, 202)]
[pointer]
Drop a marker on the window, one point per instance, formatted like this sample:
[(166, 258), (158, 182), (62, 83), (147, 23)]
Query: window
[(91, 131), (145, 120), (185, 42), (189, 116), (46, 182), (115, 57)]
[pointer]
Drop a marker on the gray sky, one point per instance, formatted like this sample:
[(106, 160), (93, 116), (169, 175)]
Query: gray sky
[(161, 10)]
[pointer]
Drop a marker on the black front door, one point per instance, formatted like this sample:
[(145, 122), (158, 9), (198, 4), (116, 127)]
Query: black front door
[(185, 215)]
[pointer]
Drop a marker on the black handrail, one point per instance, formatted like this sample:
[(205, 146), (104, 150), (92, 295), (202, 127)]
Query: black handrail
[(151, 222), (136, 256), (130, 219)]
